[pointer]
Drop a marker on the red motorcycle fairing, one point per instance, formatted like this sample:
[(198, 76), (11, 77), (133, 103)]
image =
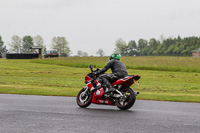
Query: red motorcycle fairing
[(98, 94), (87, 78), (126, 81), (97, 97)]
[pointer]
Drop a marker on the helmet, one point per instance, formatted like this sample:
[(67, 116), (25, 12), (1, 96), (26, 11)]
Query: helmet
[(114, 56)]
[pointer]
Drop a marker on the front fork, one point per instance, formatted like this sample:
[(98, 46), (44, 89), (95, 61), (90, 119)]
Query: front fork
[(85, 91)]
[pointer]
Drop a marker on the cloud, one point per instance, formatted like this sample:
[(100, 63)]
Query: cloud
[(86, 23), (42, 4)]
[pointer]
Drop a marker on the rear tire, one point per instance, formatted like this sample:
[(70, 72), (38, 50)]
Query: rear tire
[(83, 98), (126, 103)]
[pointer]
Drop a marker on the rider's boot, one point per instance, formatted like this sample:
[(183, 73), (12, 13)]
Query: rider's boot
[(109, 87)]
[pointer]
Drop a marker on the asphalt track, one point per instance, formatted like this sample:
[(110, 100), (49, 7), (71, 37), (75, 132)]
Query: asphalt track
[(51, 114)]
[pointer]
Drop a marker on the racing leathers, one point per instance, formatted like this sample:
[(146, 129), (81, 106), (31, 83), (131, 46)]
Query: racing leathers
[(118, 71)]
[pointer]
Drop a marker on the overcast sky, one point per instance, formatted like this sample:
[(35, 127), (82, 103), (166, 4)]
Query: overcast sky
[(92, 24)]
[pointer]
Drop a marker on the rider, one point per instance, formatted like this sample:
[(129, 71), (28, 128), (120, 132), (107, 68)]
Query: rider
[(118, 71)]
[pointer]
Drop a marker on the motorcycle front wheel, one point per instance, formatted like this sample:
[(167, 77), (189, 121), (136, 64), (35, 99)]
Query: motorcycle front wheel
[(84, 98), (127, 100)]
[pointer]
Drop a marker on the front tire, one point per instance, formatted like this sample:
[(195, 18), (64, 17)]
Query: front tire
[(127, 101), (84, 98)]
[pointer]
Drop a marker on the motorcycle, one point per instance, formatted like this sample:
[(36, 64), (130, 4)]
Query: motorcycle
[(123, 96)]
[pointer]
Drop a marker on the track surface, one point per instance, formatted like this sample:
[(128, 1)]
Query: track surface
[(50, 114)]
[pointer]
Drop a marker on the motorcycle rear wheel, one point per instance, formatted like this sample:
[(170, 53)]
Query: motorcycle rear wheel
[(128, 100), (83, 98)]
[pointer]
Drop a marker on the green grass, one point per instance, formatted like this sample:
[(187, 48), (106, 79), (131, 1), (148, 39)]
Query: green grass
[(156, 63), (54, 77), (23, 77)]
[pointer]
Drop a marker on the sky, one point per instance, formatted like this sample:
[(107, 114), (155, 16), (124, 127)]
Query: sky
[(89, 25)]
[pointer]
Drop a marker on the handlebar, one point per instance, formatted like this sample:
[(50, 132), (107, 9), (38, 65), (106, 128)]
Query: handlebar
[(91, 68)]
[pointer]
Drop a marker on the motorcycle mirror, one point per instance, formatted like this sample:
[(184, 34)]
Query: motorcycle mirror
[(91, 67)]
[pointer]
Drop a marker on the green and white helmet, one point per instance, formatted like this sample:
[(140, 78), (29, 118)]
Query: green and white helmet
[(114, 56)]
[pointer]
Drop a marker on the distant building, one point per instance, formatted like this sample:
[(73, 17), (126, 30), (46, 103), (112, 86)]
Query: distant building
[(196, 53)]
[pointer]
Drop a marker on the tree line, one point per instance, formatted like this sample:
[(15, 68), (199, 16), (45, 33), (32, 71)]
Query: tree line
[(22, 45), (163, 47)]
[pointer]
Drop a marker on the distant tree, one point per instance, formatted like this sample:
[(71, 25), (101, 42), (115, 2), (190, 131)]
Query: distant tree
[(176, 51), (157, 50), (132, 44), (27, 43), (171, 46), (132, 48), (61, 45), (142, 44), (16, 44), (170, 50), (82, 54), (161, 38), (79, 53), (2, 47), (153, 42), (121, 47), (38, 41), (100, 52), (179, 39)]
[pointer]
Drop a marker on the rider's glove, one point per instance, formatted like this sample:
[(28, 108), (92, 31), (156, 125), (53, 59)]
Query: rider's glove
[(96, 73)]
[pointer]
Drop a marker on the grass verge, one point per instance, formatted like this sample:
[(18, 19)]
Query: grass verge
[(25, 77), (173, 64)]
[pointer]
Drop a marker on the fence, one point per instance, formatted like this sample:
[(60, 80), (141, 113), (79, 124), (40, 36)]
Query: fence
[(21, 56)]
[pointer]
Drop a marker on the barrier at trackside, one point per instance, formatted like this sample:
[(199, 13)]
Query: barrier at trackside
[(21, 55)]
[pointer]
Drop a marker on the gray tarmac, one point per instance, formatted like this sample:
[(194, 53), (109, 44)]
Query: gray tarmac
[(52, 114)]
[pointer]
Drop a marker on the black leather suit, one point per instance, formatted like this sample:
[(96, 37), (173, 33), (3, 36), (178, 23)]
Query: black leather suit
[(118, 71)]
